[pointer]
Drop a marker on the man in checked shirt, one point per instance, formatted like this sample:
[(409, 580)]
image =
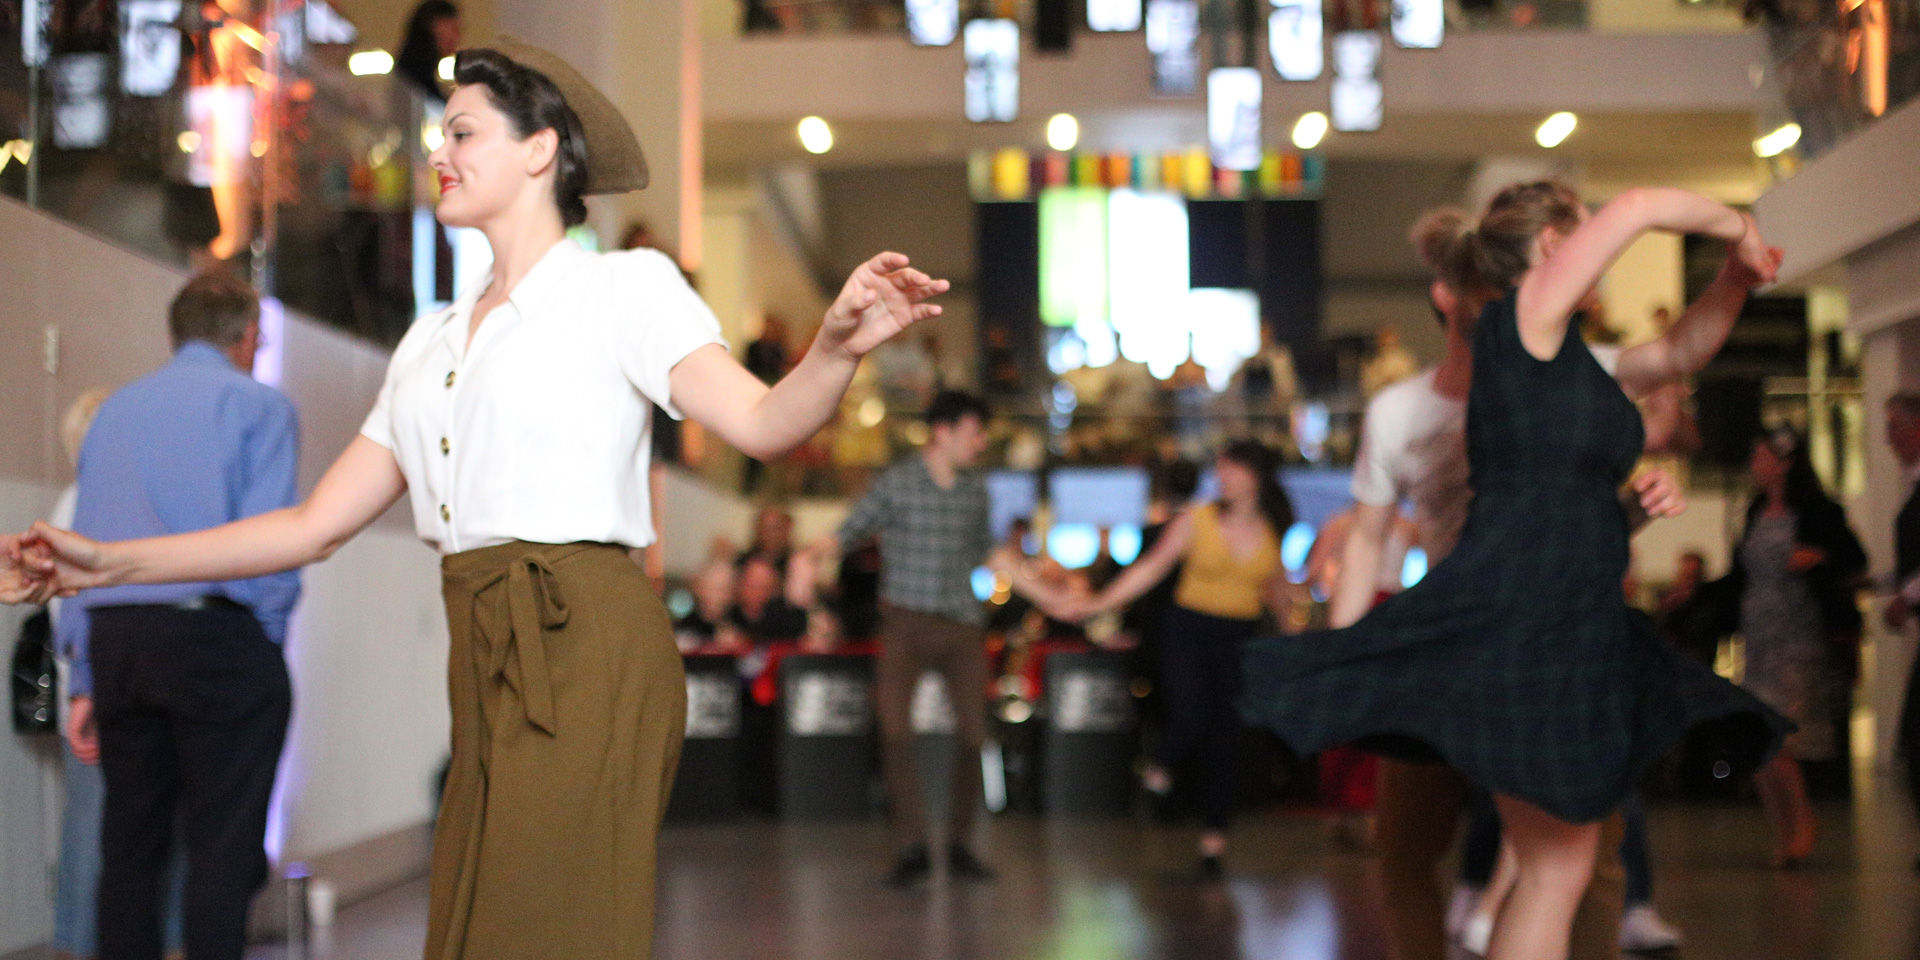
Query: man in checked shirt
[(930, 514)]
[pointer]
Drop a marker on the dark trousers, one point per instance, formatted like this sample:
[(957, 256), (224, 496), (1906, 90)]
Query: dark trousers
[(192, 707), (1202, 675), (1910, 731), (912, 643)]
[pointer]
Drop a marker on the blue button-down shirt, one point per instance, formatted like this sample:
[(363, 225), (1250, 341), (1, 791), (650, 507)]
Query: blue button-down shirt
[(193, 445)]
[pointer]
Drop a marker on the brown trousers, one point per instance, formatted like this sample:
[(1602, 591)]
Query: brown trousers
[(569, 704), (1418, 814), (912, 643)]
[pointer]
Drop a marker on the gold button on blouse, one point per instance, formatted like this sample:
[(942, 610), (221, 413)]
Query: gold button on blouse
[(449, 379), (445, 447), (446, 514)]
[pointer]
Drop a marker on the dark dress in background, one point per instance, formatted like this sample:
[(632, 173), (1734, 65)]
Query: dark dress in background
[(1517, 661)]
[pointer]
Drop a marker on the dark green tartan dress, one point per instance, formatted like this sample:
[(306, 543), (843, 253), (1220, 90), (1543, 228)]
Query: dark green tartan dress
[(1516, 660)]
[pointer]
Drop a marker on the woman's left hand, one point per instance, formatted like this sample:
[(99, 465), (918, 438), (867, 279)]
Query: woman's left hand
[(884, 296), (1806, 558)]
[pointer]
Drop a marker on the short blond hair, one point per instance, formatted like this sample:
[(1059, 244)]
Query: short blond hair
[(78, 419)]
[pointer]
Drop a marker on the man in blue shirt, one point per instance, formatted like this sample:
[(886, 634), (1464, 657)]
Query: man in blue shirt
[(180, 691)]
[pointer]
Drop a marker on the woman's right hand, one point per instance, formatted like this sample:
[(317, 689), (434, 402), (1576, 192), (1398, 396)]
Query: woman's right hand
[(1752, 253)]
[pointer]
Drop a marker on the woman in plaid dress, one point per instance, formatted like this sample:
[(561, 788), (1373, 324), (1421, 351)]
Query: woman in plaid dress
[(1517, 661)]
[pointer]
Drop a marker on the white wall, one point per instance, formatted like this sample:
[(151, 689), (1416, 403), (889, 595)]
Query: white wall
[(28, 768), (367, 648)]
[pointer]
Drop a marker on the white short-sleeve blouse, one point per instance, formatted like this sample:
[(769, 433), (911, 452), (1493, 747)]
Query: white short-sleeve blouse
[(540, 431)]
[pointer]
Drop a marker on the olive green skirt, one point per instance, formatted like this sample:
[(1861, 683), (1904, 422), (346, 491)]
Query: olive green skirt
[(569, 704)]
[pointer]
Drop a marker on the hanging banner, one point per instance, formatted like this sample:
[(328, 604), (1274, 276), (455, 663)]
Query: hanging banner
[(1113, 16), (1419, 24), (1173, 38), (149, 46), (1233, 117), (35, 17), (993, 71), (1357, 97), (1296, 39), (933, 23)]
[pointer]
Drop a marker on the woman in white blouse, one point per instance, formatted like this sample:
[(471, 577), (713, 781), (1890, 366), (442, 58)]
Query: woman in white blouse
[(518, 421)]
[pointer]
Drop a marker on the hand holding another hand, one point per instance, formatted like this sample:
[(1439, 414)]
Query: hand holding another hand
[(1660, 496), (26, 574)]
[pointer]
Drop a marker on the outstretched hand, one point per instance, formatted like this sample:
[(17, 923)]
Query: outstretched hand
[(22, 579), (66, 560), (884, 296), (1750, 260)]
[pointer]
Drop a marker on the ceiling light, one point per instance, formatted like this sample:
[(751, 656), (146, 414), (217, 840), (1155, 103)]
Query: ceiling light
[(1310, 130), (370, 63), (446, 69), (1773, 144), (189, 141), (1556, 129), (815, 135), (1063, 131)]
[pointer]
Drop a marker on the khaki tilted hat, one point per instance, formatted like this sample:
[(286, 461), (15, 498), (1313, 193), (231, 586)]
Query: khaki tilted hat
[(614, 161)]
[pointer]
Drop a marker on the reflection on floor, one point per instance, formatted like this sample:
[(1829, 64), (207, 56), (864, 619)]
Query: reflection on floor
[(1124, 890)]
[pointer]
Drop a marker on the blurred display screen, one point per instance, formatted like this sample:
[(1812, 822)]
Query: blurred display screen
[(1098, 496), (1357, 97), (1113, 15), (1011, 495), (933, 23), (81, 115), (1419, 24), (149, 46), (1173, 38), (1296, 39), (993, 71), (1233, 117)]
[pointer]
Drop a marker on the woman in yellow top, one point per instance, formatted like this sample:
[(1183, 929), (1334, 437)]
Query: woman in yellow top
[(1229, 558)]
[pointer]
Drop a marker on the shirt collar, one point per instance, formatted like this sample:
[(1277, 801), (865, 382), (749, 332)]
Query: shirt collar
[(201, 353), (534, 288), (525, 296)]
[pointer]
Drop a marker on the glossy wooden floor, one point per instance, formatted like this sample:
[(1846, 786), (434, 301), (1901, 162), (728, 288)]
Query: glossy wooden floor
[(1122, 890)]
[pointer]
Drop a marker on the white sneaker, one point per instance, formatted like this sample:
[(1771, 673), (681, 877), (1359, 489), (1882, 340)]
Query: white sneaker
[(1642, 930), (1460, 910), (1477, 937)]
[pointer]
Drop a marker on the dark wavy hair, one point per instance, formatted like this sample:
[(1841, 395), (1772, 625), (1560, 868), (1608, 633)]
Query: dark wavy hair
[(1806, 496), (533, 103), (419, 59), (1274, 503)]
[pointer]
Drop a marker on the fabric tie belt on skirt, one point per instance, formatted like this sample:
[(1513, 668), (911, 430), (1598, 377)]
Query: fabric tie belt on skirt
[(534, 607)]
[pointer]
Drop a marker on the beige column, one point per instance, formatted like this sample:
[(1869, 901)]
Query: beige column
[(645, 56)]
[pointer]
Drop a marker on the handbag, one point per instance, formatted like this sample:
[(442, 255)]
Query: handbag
[(35, 693)]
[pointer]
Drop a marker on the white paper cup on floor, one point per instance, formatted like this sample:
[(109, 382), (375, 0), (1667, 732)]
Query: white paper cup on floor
[(320, 902)]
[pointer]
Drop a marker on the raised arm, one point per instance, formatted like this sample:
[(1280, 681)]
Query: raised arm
[(360, 486), (1699, 333), (883, 297), (1554, 288)]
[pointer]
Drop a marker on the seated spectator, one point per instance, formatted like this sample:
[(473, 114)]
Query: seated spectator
[(772, 537), (713, 595), (762, 608)]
